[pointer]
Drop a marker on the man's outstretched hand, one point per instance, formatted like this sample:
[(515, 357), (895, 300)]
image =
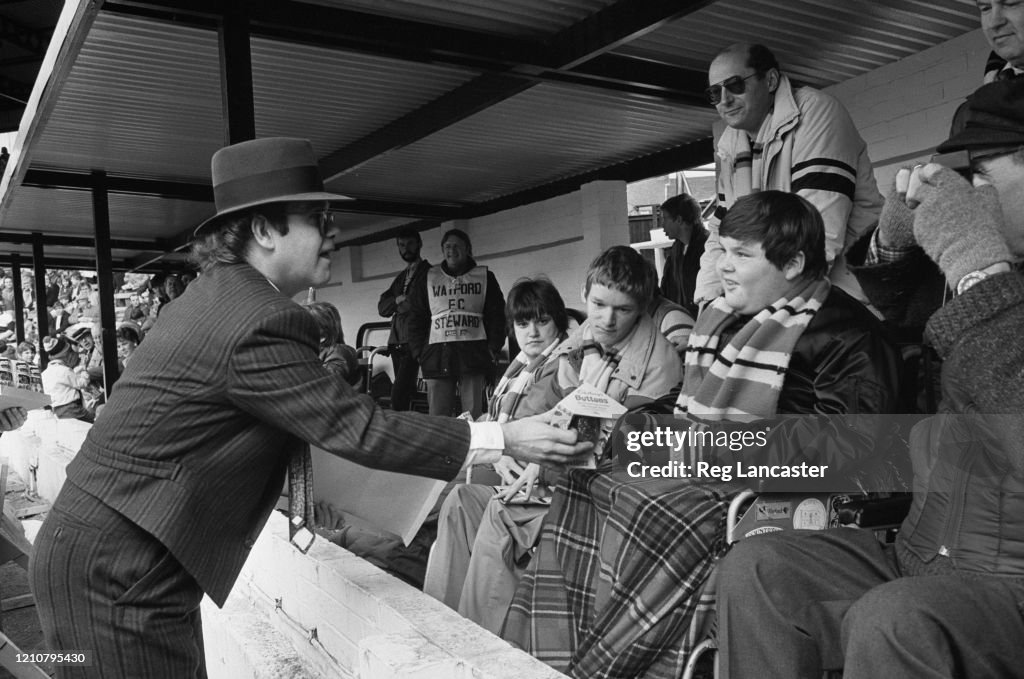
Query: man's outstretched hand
[(532, 439)]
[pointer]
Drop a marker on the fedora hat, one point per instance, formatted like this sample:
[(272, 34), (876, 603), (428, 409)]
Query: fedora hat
[(261, 171)]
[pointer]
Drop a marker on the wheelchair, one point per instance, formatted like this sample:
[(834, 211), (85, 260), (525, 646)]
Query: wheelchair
[(751, 514)]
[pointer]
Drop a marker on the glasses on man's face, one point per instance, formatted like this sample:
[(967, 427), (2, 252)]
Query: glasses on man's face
[(323, 219), (736, 85), (967, 163)]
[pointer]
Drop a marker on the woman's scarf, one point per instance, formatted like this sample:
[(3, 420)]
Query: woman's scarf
[(519, 377)]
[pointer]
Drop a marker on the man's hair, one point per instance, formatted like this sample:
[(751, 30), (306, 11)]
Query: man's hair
[(26, 346), (228, 242), (329, 320), (622, 268), (456, 233), (761, 59), (684, 207), (533, 298), (784, 224), (411, 234)]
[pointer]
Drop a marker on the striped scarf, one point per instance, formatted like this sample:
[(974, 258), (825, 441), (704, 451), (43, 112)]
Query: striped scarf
[(595, 364), (743, 379), (519, 377)]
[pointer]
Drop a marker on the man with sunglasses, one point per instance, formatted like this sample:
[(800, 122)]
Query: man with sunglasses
[(177, 478), (795, 139), (946, 599)]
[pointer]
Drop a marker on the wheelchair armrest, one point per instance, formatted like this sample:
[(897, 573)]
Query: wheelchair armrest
[(875, 513)]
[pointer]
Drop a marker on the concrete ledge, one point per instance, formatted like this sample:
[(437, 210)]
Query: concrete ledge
[(346, 618), (240, 642)]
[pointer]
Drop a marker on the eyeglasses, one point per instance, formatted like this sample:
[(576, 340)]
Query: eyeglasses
[(968, 162), (735, 85), (323, 219)]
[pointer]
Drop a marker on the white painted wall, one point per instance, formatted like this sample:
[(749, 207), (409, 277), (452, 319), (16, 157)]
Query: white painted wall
[(557, 237), (904, 110)]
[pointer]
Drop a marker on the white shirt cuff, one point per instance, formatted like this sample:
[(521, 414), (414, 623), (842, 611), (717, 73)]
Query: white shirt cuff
[(486, 443)]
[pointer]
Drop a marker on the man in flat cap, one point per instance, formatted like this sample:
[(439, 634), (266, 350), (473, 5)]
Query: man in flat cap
[(178, 476), (945, 600)]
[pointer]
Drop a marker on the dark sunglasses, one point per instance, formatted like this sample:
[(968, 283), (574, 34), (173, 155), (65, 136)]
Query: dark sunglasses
[(735, 85)]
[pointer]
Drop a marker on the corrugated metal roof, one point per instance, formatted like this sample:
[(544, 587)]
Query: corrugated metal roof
[(820, 42), (546, 133), (143, 98), (518, 18), (335, 98)]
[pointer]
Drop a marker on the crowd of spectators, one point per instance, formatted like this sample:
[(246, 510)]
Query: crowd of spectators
[(73, 318)]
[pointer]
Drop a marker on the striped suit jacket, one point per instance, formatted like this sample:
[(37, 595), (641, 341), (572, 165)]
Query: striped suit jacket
[(194, 443)]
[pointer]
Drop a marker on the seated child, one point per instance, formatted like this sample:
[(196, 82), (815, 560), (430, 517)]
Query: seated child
[(536, 313), (64, 378), (484, 544)]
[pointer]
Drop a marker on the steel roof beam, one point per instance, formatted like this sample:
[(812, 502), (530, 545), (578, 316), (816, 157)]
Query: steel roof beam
[(693, 154), (408, 40), (585, 40), (25, 238), (177, 190)]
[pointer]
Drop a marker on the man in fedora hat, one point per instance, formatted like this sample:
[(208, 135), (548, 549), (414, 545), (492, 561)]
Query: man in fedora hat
[(945, 600), (175, 481)]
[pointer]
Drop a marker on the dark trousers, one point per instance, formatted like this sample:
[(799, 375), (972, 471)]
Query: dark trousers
[(105, 586), (796, 603), (406, 372)]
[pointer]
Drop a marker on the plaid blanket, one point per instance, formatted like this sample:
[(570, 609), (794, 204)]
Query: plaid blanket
[(619, 575)]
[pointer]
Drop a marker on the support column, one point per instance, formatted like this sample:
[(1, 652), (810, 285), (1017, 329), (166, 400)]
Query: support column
[(236, 74), (42, 318), (19, 301), (604, 214), (104, 278)]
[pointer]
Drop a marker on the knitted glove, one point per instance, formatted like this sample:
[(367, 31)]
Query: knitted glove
[(896, 223), (959, 226)]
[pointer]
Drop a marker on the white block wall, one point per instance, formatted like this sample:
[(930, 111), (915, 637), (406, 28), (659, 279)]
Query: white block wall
[(904, 110), (343, 617), (558, 237)]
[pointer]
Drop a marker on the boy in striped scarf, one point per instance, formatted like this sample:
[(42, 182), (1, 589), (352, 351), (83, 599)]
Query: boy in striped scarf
[(486, 537)]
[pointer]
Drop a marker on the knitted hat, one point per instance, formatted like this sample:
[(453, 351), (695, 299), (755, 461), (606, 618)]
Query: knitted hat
[(57, 347), (992, 117)]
